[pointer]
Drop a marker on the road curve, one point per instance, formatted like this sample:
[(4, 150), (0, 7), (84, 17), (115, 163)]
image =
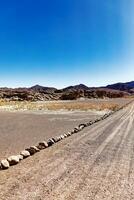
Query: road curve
[(96, 163)]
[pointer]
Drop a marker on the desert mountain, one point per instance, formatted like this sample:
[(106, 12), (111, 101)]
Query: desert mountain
[(41, 93), (129, 86), (76, 87), (42, 89)]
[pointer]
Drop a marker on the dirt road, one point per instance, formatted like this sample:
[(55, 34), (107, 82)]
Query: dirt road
[(95, 164)]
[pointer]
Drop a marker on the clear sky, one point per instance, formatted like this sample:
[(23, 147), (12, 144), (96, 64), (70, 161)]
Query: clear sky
[(66, 42)]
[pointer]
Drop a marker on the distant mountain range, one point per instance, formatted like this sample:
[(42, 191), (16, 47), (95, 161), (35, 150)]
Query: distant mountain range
[(41, 93), (126, 87), (129, 86)]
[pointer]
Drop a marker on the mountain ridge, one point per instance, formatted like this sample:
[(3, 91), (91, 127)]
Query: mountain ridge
[(41, 93), (122, 86)]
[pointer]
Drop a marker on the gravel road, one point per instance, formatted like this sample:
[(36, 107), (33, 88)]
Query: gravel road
[(96, 163), (20, 130)]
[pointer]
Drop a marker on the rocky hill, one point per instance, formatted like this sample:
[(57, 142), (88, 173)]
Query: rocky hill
[(76, 87), (41, 93), (128, 87), (42, 89)]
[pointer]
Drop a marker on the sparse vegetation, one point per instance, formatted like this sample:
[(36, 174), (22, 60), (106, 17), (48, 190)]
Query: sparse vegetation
[(59, 105)]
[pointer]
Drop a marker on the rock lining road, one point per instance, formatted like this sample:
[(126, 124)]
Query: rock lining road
[(19, 130), (96, 163)]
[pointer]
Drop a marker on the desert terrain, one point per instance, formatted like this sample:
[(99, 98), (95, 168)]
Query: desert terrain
[(97, 163), (25, 123)]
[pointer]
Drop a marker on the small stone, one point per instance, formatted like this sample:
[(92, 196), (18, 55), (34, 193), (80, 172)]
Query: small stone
[(68, 134), (97, 120), (32, 150), (56, 139), (4, 164), (13, 160), (82, 125), (76, 129), (20, 157), (25, 154), (90, 123), (50, 142), (42, 145), (72, 132), (62, 137)]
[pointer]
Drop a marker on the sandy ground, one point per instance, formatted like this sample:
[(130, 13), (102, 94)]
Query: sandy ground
[(20, 130), (95, 164)]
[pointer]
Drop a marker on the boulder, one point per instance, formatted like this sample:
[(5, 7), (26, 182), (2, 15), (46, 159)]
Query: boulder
[(42, 145), (32, 150), (4, 164), (13, 160), (25, 154)]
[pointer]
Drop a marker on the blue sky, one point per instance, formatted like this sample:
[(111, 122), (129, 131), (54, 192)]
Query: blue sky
[(59, 43)]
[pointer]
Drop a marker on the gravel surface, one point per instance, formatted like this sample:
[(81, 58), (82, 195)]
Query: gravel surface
[(20, 130), (96, 164)]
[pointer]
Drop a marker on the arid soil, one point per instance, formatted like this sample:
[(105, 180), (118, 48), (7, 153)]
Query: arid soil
[(95, 164), (21, 130)]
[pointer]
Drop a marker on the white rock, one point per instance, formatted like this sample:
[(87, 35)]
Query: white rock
[(32, 150), (62, 136), (4, 164), (69, 133), (42, 145), (25, 154), (20, 157), (56, 139), (65, 135), (50, 142), (13, 160)]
